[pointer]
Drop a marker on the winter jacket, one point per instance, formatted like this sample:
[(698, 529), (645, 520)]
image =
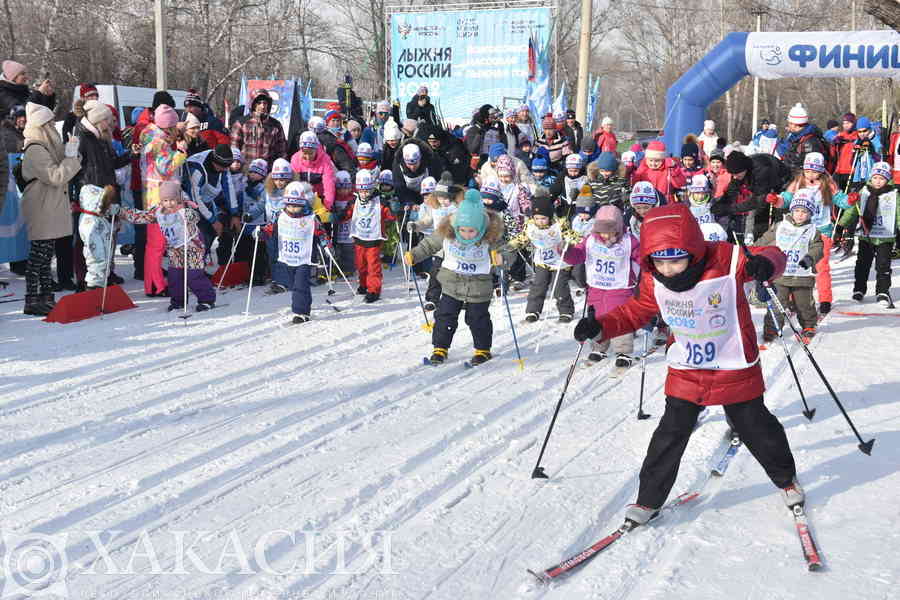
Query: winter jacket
[(196, 245), (318, 172), (607, 190), (214, 193), (558, 148), (256, 139), (45, 202), (254, 204), (575, 135), (767, 175), (11, 139), (212, 130), (672, 226), (137, 131), (602, 300), (513, 137), (98, 159), (665, 179), (160, 162), (421, 113), (450, 155), (604, 141), (465, 288), (475, 134), (799, 144), (12, 94), (339, 152), (407, 183), (816, 251), (94, 229), (854, 214), (198, 145)]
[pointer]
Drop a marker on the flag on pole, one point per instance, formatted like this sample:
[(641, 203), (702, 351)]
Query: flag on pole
[(306, 105), (593, 97), (244, 97), (560, 105), (537, 94)]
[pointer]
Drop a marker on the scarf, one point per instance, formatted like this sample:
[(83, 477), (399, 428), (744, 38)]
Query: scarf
[(684, 280)]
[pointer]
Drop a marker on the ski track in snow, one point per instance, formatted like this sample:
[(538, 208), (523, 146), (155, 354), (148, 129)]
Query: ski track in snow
[(238, 426)]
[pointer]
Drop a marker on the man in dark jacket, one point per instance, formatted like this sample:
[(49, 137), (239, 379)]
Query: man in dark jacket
[(804, 137), (14, 88), (11, 138), (449, 153), (481, 135), (573, 130), (743, 206), (414, 161), (420, 108), (212, 130)]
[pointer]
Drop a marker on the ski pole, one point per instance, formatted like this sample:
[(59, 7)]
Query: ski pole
[(787, 353), (865, 447), (538, 472), (231, 258), (109, 259), (399, 250), (537, 347), (341, 271), (511, 324), (330, 286), (428, 326), (252, 267), (641, 414), (185, 315)]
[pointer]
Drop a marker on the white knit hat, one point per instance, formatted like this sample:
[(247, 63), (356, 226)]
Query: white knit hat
[(606, 121), (97, 112), (191, 121), (709, 125), (37, 114), (798, 115)]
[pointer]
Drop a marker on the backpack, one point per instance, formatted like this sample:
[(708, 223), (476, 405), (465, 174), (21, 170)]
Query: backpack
[(21, 182)]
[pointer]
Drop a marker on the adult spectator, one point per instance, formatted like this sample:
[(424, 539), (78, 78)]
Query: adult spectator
[(573, 130), (708, 138), (421, 109), (206, 180), (449, 153), (192, 135), (14, 88), (556, 145), (526, 123), (392, 137), (743, 194), (86, 92), (212, 130), (349, 102), (481, 135), (803, 138), (512, 134), (259, 135), (373, 134), (11, 136), (832, 129), (335, 147), (604, 138), (47, 165)]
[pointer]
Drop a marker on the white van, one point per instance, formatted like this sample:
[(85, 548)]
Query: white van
[(126, 98)]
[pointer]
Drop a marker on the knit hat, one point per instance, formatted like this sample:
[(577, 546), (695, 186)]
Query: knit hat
[(607, 161), (236, 155), (12, 69), (470, 214), (331, 115), (162, 97), (738, 162), (299, 193), (542, 206), (412, 155), (713, 232), (496, 150), (309, 140), (670, 254), (281, 169), (444, 187), (804, 198), (628, 157), (584, 202), (422, 91), (353, 125), (192, 98), (814, 161), (881, 168), (316, 124), (170, 189), (165, 116), (386, 177), (365, 150), (709, 125), (87, 88), (608, 220), (717, 154), (699, 184), (392, 132), (222, 156), (365, 180), (798, 115), (383, 106), (37, 114), (656, 149), (191, 121), (548, 123), (559, 116), (864, 123), (97, 112), (831, 124), (427, 186), (690, 149), (643, 192), (342, 180), (410, 125), (849, 117), (510, 113), (259, 166), (490, 189), (539, 165), (574, 161), (504, 165)]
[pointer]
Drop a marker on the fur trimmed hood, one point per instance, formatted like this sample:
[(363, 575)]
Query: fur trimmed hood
[(493, 233)]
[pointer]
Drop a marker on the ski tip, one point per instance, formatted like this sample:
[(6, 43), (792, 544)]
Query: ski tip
[(542, 578)]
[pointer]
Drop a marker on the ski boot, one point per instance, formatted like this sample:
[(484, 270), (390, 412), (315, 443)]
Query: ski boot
[(636, 515), (372, 297), (565, 318), (361, 290), (438, 356), (858, 297), (824, 308), (275, 288), (35, 305), (885, 300), (531, 318), (793, 494), (596, 357), (204, 306), (480, 357), (300, 319)]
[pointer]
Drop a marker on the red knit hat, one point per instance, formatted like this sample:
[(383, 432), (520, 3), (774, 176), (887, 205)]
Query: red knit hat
[(88, 88), (656, 149), (548, 123)]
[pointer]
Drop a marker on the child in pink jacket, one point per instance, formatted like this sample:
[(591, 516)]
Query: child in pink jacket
[(611, 257)]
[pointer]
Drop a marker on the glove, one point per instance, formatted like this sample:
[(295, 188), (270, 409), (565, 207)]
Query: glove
[(113, 210), (721, 209), (786, 197), (760, 268), (326, 218), (588, 328), (71, 149), (408, 258), (806, 262), (268, 229), (324, 243), (247, 218), (496, 258), (852, 198), (411, 227), (775, 199), (762, 292)]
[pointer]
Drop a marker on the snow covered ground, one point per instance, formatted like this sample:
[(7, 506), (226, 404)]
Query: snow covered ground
[(234, 457)]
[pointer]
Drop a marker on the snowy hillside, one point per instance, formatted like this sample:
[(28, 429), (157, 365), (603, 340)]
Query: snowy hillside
[(234, 457)]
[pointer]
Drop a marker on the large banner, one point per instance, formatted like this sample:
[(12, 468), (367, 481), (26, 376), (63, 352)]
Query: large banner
[(466, 59), (773, 55)]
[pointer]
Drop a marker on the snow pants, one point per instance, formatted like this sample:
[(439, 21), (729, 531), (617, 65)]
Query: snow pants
[(823, 271), (198, 282), (881, 255), (760, 431), (154, 282), (803, 300), (38, 279), (537, 293), (301, 296), (368, 266), (446, 320)]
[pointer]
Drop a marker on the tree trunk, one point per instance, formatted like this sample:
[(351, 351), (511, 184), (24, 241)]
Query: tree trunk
[(886, 11)]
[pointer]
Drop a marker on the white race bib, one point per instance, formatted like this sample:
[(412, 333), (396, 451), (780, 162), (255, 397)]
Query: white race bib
[(608, 268), (467, 260), (295, 239), (366, 221), (702, 214), (885, 217), (582, 227), (172, 226), (274, 204), (548, 244), (794, 242), (704, 321)]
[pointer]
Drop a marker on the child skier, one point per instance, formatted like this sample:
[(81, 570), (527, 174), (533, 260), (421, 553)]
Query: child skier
[(540, 168), (565, 190), (643, 198), (436, 208), (698, 197), (549, 240), (877, 209), (98, 204), (607, 186), (610, 255), (344, 250), (369, 218), (254, 215), (697, 285), (800, 240), (179, 223), (281, 175), (470, 239)]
